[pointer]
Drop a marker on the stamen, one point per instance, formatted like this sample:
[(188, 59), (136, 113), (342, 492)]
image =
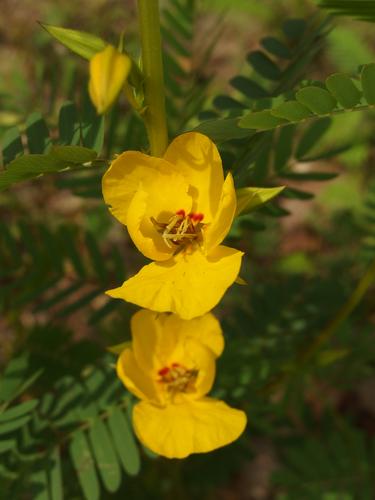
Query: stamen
[(198, 217), (181, 230), (177, 378), (163, 371)]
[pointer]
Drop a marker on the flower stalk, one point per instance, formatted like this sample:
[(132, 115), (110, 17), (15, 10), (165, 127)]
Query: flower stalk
[(152, 67)]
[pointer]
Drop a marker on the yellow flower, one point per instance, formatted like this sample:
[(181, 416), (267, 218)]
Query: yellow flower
[(171, 368), (109, 70), (178, 209)]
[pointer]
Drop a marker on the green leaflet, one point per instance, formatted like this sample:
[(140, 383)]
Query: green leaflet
[(59, 158), (344, 90), (317, 100), (251, 197), (84, 44), (341, 95), (368, 83)]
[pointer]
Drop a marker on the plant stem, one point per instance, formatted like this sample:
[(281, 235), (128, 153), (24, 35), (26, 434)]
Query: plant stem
[(327, 333), (305, 356), (152, 66)]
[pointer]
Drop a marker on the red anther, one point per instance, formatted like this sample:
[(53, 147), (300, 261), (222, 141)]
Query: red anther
[(175, 365), (197, 217), (181, 212), (163, 371)]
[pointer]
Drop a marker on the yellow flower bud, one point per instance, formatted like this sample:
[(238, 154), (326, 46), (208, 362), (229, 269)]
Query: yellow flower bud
[(109, 70)]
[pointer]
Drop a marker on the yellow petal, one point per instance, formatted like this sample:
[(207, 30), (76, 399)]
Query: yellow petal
[(177, 431), (196, 356), (152, 344), (123, 178), (157, 200), (205, 329), (135, 379), (215, 232), (197, 158), (109, 70), (160, 340), (189, 285)]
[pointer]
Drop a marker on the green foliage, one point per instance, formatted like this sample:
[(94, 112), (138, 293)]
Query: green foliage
[(47, 156), (185, 78), (340, 95), (84, 44), (47, 269), (64, 416), (250, 198), (363, 10), (76, 425), (338, 465)]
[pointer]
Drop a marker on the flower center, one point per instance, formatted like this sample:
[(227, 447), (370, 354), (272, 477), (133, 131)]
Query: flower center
[(181, 229), (176, 378)]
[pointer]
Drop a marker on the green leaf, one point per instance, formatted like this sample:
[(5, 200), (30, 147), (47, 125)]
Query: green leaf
[(260, 120), (316, 99), (84, 44), (69, 127), (92, 127), (39, 484), (264, 65), (222, 130), (312, 136), (224, 102), (73, 155), (368, 83), (343, 90), (106, 459), (55, 476), (251, 197), (294, 28), (11, 144), (126, 446), (12, 425), (18, 411), (84, 465), (14, 375), (292, 111), (6, 445), (118, 348), (96, 257), (297, 194), (38, 139), (248, 87), (29, 166), (275, 47), (310, 176), (363, 10), (283, 147)]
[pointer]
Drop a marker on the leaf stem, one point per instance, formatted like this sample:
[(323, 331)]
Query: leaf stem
[(152, 66)]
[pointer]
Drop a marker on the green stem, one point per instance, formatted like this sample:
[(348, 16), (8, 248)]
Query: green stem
[(327, 333), (152, 66)]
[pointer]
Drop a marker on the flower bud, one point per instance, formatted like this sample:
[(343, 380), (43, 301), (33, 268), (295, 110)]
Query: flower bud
[(109, 70)]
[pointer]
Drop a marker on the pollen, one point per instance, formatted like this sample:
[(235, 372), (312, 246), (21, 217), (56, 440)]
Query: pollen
[(178, 379), (181, 230)]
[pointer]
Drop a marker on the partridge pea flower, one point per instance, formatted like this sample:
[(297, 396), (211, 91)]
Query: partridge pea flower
[(170, 367), (109, 70), (177, 209)]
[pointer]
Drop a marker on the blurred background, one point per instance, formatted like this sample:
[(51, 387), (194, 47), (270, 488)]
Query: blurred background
[(311, 428)]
